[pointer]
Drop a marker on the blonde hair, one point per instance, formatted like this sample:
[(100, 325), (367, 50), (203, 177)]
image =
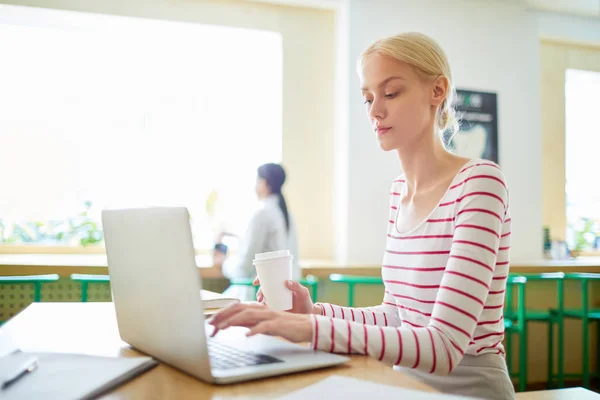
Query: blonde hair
[(428, 59)]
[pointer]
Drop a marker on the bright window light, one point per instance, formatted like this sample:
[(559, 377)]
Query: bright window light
[(582, 144), (127, 112)]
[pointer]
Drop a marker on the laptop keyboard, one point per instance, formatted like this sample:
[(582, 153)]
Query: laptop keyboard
[(226, 357)]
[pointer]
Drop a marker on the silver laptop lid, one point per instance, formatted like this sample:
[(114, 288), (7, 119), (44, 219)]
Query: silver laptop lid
[(156, 285)]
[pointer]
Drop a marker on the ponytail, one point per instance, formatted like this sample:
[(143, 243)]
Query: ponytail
[(284, 210)]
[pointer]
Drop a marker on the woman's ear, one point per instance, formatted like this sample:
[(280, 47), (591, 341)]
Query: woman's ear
[(439, 93)]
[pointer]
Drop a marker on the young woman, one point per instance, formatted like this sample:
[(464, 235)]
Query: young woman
[(271, 228), (447, 255)]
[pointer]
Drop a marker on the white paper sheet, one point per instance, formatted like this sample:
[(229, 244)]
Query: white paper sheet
[(358, 389)]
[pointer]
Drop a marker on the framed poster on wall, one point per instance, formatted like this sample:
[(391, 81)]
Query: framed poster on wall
[(477, 136)]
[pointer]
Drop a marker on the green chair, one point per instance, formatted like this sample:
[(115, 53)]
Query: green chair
[(36, 280), (512, 317), (586, 315), (352, 281), (85, 280), (514, 322), (311, 282)]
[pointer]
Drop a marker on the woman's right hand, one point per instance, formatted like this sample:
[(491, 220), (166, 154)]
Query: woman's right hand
[(301, 303)]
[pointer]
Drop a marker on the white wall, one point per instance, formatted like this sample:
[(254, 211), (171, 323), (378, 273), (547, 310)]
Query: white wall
[(492, 47), (569, 28)]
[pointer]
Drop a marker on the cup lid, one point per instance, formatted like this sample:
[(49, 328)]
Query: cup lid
[(271, 255)]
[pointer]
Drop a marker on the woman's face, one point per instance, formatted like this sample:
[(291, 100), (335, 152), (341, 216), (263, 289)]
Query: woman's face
[(261, 188), (398, 101)]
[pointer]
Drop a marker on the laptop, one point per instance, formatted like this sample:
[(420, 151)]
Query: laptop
[(156, 289)]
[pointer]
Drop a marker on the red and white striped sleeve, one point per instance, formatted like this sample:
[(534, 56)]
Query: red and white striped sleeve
[(479, 213), (382, 315)]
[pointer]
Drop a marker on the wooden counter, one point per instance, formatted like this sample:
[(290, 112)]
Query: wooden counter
[(64, 265), (582, 264), (67, 264)]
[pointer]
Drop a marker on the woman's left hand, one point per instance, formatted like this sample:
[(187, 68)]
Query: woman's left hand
[(260, 319)]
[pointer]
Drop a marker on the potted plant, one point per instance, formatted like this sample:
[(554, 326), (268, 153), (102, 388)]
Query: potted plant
[(584, 237)]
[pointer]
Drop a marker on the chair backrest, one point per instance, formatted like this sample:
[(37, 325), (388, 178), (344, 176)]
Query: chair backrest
[(85, 280), (558, 277), (35, 280), (352, 280), (356, 279), (519, 281), (585, 279)]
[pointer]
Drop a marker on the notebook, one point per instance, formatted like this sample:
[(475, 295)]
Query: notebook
[(355, 389), (69, 376), (215, 301)]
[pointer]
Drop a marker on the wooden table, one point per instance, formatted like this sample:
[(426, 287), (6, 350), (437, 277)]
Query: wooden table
[(90, 328)]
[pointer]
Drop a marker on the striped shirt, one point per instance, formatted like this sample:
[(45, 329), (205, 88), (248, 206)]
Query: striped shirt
[(444, 282)]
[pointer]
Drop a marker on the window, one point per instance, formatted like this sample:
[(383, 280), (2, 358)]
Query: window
[(103, 111), (582, 144)]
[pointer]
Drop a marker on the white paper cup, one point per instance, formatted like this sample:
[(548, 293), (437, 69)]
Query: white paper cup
[(273, 269)]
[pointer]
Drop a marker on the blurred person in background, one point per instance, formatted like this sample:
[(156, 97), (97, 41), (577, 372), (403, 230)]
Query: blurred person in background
[(270, 228)]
